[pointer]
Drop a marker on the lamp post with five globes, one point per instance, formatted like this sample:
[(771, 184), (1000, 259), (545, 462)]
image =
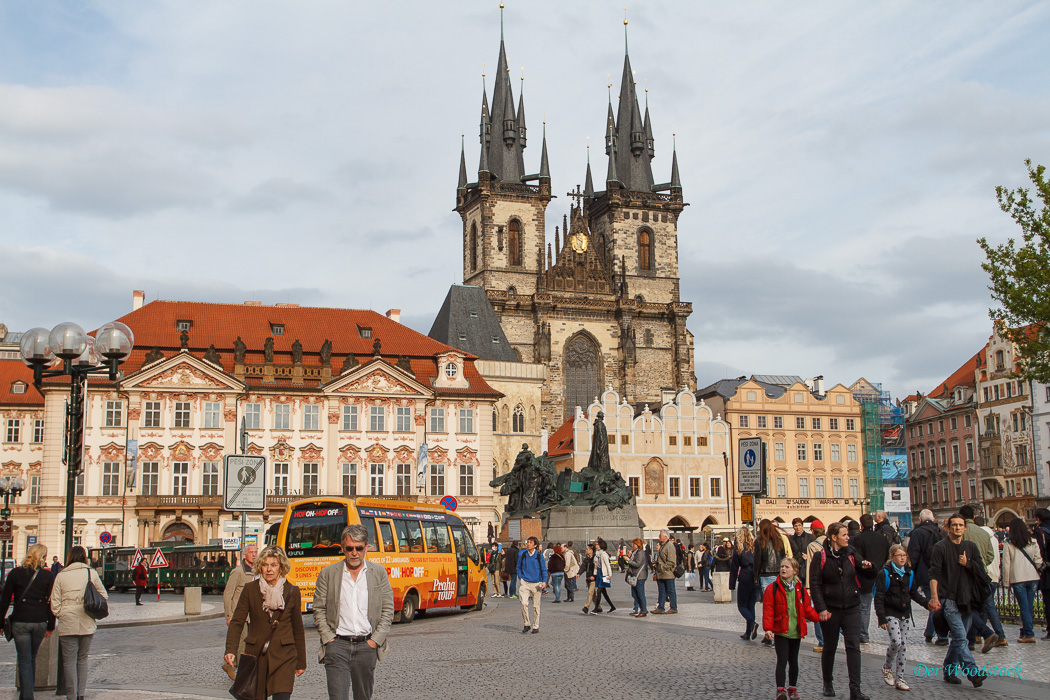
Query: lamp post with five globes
[(80, 356)]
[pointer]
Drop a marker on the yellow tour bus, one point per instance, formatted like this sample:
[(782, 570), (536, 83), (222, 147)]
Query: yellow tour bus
[(427, 551)]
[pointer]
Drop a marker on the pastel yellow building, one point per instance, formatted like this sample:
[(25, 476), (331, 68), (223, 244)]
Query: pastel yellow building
[(814, 443)]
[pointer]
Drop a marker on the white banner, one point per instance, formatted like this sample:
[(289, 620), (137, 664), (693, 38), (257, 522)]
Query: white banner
[(898, 499)]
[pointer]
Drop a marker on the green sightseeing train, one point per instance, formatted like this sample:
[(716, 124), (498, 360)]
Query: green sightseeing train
[(204, 566)]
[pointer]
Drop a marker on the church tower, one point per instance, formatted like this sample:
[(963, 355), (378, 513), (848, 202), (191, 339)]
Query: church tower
[(503, 212), (600, 308)]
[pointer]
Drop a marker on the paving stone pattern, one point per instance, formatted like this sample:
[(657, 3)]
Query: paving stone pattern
[(484, 655)]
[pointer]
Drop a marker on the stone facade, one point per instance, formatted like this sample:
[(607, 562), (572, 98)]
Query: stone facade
[(22, 438), (942, 453)]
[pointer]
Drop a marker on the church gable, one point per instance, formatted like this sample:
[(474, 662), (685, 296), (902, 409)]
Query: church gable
[(581, 265)]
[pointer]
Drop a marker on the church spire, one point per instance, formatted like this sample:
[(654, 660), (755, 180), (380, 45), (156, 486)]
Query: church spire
[(506, 125), (462, 163), (630, 139), (588, 182), (545, 168), (676, 181)]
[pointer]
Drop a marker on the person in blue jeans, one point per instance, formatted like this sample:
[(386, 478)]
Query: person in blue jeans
[(955, 566), (666, 561), (556, 570), (28, 590), (1021, 561)]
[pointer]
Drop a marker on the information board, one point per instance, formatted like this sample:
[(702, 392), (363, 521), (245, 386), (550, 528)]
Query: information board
[(751, 465)]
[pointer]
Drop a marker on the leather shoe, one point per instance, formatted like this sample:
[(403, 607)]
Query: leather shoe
[(829, 690), (525, 630), (989, 642), (977, 679), (858, 695), (230, 671), (952, 678), (535, 630)]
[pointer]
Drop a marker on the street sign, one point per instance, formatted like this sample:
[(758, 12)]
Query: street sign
[(450, 503), (158, 561), (747, 508), (6, 530), (137, 559), (231, 542), (750, 465), (245, 481), (105, 537)]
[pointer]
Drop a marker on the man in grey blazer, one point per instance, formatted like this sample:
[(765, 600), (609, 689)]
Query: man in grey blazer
[(353, 609)]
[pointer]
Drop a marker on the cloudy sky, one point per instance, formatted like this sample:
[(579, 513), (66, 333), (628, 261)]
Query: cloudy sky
[(839, 158)]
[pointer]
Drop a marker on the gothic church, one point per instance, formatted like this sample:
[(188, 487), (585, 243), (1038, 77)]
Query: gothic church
[(600, 307)]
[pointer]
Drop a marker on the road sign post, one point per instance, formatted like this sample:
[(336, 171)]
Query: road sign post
[(450, 503), (751, 465), (245, 482)]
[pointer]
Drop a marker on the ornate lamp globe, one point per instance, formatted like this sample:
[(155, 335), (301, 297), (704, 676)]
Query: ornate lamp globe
[(114, 341), (34, 347), (68, 341), (89, 357)]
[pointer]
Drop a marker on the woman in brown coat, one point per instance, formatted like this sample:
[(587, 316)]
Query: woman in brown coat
[(268, 599)]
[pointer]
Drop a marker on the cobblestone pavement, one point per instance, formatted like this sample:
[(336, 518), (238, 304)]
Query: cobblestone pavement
[(484, 655)]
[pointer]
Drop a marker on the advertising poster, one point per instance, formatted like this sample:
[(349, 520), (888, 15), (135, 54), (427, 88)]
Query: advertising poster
[(131, 468)]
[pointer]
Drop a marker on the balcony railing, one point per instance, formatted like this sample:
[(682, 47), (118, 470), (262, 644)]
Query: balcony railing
[(155, 501)]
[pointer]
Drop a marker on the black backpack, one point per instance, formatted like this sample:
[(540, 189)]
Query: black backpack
[(679, 567)]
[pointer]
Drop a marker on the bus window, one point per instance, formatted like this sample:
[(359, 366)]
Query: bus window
[(386, 535), (464, 542), (314, 530), (370, 525), (409, 536), (270, 538), (437, 538)]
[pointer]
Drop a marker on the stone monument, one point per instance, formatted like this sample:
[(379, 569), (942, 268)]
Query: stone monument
[(575, 506)]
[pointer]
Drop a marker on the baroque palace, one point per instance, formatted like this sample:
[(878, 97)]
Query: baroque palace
[(338, 400)]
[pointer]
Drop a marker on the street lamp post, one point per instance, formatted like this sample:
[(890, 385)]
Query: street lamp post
[(9, 486), (80, 356)]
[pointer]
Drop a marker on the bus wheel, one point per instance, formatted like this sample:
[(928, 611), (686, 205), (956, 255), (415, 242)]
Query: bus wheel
[(410, 608), (481, 600)]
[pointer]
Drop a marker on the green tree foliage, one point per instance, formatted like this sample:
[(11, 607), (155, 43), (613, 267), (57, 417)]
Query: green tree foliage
[(1020, 274)]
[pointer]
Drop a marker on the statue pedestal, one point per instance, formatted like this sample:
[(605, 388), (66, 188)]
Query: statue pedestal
[(580, 524)]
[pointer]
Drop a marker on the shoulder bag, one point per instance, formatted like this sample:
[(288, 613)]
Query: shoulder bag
[(244, 687), (1038, 569), (94, 604), (9, 623)]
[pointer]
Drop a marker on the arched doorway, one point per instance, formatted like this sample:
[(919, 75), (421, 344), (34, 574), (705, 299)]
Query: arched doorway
[(1003, 518), (583, 370), (678, 523), (709, 520), (178, 532)]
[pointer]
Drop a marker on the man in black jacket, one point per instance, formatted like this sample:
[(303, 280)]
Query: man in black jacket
[(799, 540), (836, 597), (873, 551), (954, 569), (884, 527), (920, 549), (1041, 534)]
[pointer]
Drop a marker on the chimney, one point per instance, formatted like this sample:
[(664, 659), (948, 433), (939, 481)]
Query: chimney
[(394, 315), (137, 298), (667, 395), (818, 385)]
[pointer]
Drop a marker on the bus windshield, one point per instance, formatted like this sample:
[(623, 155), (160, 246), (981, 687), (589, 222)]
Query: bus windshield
[(314, 530)]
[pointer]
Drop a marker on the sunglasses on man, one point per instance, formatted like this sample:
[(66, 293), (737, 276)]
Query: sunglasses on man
[(359, 548)]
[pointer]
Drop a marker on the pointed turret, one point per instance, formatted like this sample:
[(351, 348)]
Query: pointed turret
[(486, 130), (648, 129), (506, 129), (521, 113), (676, 181), (462, 164), (588, 182), (630, 136), (545, 168)]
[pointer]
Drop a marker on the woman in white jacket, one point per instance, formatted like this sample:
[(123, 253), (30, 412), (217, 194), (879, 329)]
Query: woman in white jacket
[(75, 628), (1021, 563), (602, 576)]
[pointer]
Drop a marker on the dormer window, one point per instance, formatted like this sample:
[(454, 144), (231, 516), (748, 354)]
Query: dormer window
[(473, 314), (183, 326), (18, 388), (364, 332), (495, 339), (462, 336), (276, 329), (451, 370)]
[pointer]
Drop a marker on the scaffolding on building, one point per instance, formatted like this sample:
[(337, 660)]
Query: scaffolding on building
[(882, 424)]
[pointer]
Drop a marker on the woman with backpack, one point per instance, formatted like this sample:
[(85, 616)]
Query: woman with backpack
[(75, 627), (895, 588), (1021, 562), (785, 609)]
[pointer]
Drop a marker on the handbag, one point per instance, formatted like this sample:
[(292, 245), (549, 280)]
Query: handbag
[(94, 604), (631, 580), (244, 687), (9, 622)]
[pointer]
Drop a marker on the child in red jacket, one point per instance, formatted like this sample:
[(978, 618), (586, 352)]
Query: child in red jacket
[(785, 609)]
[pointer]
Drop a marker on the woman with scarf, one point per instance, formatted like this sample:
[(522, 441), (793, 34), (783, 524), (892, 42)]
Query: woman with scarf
[(270, 602)]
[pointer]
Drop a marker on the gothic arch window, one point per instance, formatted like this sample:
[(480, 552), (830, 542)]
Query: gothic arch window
[(495, 420), (514, 243), (474, 246), (583, 370), (645, 250), (648, 338), (518, 420)]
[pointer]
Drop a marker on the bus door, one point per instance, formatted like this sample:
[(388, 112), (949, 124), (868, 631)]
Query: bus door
[(461, 538)]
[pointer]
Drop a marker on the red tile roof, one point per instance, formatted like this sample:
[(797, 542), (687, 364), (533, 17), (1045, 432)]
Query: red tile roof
[(560, 441), (964, 376), (12, 371), (221, 324)]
